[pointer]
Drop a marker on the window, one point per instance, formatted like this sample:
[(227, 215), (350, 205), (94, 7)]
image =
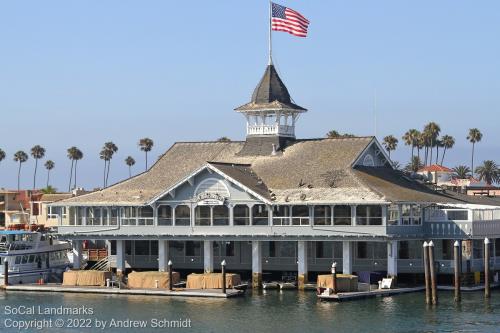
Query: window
[(300, 215), (260, 215), (497, 247), (281, 215), (93, 215), (164, 215), (393, 215), (114, 215), (287, 249), (272, 249), (411, 214), (142, 248), (213, 186), (404, 251), (182, 215), (477, 248), (362, 250), (447, 249), (128, 247), (322, 215), (342, 215), (458, 215), (410, 250), (129, 215), (176, 248), (241, 215), (368, 161), (193, 249), (324, 249), (369, 215), (146, 215), (202, 215), (221, 215)]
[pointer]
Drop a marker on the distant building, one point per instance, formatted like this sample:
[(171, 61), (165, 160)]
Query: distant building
[(15, 207), (437, 174), (46, 215)]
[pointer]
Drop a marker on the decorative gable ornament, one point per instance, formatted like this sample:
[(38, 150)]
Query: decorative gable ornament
[(210, 199)]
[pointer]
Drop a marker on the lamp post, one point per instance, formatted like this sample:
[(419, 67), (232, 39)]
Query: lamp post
[(334, 277), (223, 265), (170, 282)]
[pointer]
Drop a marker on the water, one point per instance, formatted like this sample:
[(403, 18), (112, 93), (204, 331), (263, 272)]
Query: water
[(273, 311)]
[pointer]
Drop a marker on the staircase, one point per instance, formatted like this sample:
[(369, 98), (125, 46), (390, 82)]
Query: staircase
[(102, 265)]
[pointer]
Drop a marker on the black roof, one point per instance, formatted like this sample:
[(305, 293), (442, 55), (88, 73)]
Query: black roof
[(271, 92)]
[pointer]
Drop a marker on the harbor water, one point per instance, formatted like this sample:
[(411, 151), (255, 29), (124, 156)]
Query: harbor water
[(274, 311)]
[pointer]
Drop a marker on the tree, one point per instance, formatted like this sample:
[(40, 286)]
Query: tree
[(130, 162), (49, 165), (488, 172), (333, 134), (2, 155), (37, 152), (432, 132), (78, 156), (410, 139), (448, 142), (414, 165), (474, 136), (146, 144), (105, 156), (108, 150), (224, 139), (49, 190), (462, 171), (20, 157), (72, 154), (390, 143)]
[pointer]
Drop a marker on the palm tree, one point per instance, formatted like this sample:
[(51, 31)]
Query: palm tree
[(49, 165), (72, 153), (78, 156), (111, 149), (2, 155), (462, 171), (410, 139), (420, 142), (448, 142), (224, 139), (130, 162), (49, 190), (332, 134), (414, 165), (474, 136), (488, 172), (390, 143), (432, 132), (20, 157), (37, 152), (104, 155), (146, 144)]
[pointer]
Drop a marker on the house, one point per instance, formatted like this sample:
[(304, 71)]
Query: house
[(278, 203)]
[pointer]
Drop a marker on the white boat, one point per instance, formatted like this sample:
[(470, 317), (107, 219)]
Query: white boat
[(270, 285), (287, 285), (32, 256)]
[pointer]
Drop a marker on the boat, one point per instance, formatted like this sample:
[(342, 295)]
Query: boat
[(287, 285), (32, 256), (270, 285)]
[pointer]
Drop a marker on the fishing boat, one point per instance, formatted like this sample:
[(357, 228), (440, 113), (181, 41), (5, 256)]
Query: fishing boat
[(32, 256)]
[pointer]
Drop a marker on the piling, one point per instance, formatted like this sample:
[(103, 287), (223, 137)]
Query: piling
[(334, 277), (426, 274), (457, 264), (170, 280), (5, 272), (432, 271), (486, 268), (223, 265)]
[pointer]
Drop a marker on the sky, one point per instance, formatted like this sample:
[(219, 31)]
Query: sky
[(80, 73)]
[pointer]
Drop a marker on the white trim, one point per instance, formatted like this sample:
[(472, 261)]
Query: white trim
[(208, 166), (368, 146)]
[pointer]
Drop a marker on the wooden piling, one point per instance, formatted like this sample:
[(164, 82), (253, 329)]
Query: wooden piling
[(426, 274), (486, 268), (223, 265), (5, 272), (334, 278), (170, 280), (432, 271), (457, 264)]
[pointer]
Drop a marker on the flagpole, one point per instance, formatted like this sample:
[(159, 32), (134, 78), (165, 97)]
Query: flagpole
[(270, 61)]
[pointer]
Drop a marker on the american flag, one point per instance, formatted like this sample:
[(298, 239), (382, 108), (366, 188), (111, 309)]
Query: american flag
[(288, 20)]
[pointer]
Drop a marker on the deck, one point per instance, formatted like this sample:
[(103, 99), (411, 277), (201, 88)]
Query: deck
[(177, 292)]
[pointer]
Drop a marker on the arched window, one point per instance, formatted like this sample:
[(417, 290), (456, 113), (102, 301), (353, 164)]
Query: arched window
[(368, 161), (212, 186)]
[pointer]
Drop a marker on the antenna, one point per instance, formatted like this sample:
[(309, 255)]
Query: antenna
[(375, 112)]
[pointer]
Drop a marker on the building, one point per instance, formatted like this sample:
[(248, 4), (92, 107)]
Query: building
[(15, 206), (437, 174), (276, 203), (44, 214)]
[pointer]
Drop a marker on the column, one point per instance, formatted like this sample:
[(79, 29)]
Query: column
[(120, 257), (77, 253), (231, 214), (302, 263), (208, 256), (163, 255), (256, 264), (353, 215), (347, 257), (392, 258), (108, 247)]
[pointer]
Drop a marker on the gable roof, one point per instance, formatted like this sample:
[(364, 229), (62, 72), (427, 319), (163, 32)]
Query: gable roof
[(435, 168)]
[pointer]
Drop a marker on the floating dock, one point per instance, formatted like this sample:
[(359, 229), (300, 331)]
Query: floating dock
[(365, 294), (177, 292)]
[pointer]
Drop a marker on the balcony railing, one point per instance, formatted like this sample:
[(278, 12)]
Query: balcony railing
[(270, 129)]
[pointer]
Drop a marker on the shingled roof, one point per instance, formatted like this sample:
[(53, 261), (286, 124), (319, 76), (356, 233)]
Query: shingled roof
[(270, 94), (307, 171)]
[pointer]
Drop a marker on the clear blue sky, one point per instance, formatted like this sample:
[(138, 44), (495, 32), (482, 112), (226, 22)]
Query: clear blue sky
[(85, 72)]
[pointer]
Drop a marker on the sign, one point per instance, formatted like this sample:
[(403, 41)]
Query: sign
[(210, 199)]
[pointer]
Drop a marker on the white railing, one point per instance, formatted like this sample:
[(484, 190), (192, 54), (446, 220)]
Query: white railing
[(270, 129)]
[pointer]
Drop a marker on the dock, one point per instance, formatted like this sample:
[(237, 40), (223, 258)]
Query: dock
[(366, 294), (177, 292)]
